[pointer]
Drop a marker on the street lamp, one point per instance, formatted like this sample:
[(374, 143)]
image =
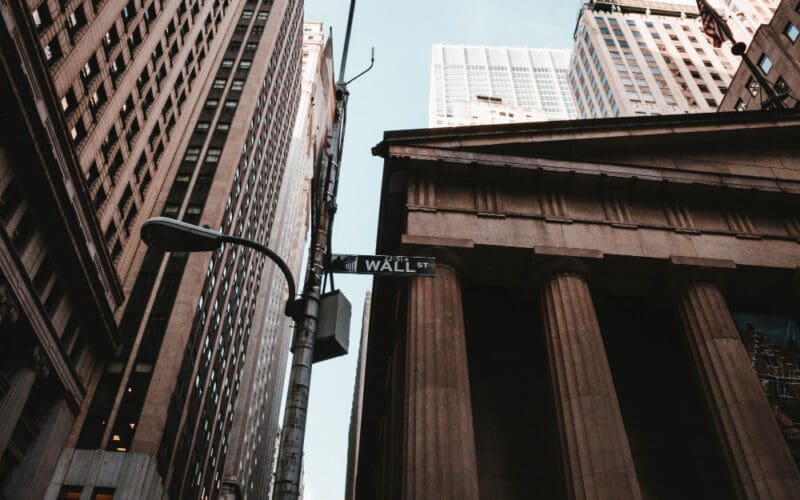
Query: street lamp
[(170, 235)]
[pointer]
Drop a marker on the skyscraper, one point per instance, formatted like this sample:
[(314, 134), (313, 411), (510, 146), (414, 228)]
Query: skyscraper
[(183, 109), (248, 470), (642, 57), (483, 85)]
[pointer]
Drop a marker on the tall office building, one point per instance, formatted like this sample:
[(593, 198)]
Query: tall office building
[(484, 85), (248, 469), (183, 109), (635, 57)]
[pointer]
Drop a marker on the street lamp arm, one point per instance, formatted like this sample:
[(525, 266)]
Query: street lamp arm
[(287, 273)]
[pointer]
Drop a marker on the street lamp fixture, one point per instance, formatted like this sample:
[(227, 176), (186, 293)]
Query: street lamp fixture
[(171, 235)]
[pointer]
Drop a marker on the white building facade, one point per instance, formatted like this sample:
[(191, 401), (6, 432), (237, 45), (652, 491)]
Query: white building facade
[(639, 57), (473, 85)]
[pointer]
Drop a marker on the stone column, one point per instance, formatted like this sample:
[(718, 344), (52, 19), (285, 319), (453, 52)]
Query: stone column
[(14, 401), (597, 457), (752, 444), (440, 461)]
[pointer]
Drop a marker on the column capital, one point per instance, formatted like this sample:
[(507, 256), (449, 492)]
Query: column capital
[(687, 270), (445, 256), (561, 266)]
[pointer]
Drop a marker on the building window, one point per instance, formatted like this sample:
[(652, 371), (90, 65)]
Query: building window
[(219, 83), (128, 12), (781, 86), (740, 105), (765, 63), (192, 154), (791, 31), (70, 492), (90, 70), (78, 132), (69, 102), (213, 154), (52, 50), (41, 16), (227, 63), (75, 22)]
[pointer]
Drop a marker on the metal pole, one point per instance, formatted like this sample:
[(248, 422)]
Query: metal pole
[(290, 456), (773, 100)]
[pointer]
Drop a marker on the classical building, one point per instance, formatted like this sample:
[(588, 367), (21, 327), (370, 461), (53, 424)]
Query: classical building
[(133, 109), (483, 85), (634, 57), (590, 330), (774, 52), (248, 470)]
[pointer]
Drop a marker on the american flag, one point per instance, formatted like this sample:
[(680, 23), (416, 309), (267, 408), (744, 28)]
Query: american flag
[(713, 25)]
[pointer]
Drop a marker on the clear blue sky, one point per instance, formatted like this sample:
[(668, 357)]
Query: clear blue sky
[(394, 95)]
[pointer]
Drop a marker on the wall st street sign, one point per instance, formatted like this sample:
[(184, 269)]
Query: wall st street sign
[(384, 265)]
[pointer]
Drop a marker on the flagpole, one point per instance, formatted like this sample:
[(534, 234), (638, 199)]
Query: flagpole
[(773, 100)]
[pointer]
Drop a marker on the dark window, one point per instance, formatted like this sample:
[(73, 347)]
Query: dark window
[(117, 67), (126, 108), (92, 175), (69, 102), (68, 492), (75, 21), (114, 166), (128, 12), (52, 50), (99, 198), (41, 16), (781, 86), (103, 493), (90, 70), (97, 99), (53, 299), (23, 233), (110, 39), (10, 201), (43, 275), (78, 132)]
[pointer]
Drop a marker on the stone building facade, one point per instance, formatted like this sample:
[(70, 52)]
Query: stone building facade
[(130, 110), (585, 335), (774, 52)]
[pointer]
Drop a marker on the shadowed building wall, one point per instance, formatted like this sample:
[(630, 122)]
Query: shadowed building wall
[(603, 276)]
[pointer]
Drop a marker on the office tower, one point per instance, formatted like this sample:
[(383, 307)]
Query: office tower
[(774, 51), (484, 85), (604, 290), (183, 109), (248, 468), (642, 58)]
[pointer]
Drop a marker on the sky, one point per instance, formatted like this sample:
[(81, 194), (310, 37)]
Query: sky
[(394, 96)]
